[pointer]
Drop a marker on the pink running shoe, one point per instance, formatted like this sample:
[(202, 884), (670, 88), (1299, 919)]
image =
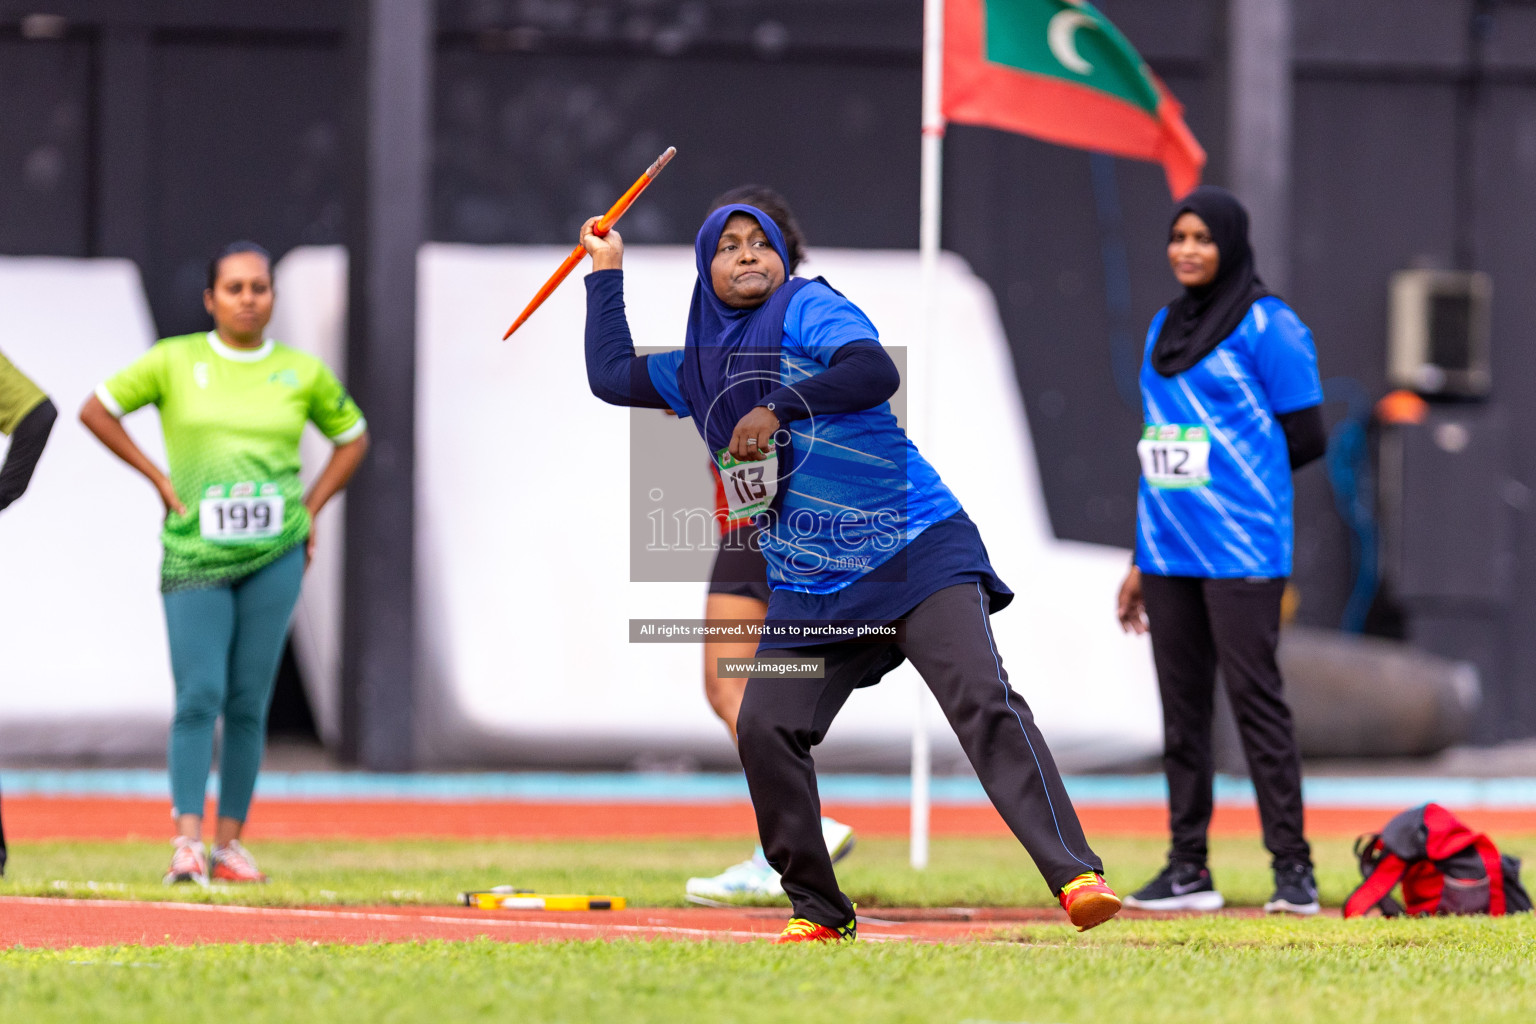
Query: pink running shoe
[(189, 862), (233, 863)]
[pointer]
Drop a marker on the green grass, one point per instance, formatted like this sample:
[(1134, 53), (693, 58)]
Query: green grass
[(1467, 970), (1128, 972), (964, 872)]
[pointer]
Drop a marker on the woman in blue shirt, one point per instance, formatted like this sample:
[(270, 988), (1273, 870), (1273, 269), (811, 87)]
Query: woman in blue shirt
[(788, 385), (1230, 397)]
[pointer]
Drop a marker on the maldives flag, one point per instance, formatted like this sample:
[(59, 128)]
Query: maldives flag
[(1059, 71)]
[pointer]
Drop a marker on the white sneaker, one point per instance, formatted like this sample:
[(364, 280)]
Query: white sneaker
[(754, 879), (189, 862), (838, 837), (750, 880)]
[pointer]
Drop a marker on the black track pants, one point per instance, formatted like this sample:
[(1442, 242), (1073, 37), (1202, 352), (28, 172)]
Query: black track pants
[(1197, 624), (949, 642)]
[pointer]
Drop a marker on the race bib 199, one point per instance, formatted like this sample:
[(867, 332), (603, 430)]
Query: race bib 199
[(241, 513), (749, 486), (1175, 456)]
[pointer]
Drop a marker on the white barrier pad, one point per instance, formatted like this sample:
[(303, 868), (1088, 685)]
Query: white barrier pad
[(523, 581), (82, 631), (523, 585)]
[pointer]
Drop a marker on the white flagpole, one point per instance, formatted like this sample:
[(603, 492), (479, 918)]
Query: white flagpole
[(928, 248)]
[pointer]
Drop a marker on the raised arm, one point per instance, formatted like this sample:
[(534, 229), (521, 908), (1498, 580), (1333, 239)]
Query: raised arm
[(614, 372)]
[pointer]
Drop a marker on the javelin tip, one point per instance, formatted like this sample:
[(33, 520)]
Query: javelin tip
[(661, 162)]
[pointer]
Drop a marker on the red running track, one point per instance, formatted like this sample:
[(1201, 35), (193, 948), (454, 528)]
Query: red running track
[(55, 818), (42, 923), (57, 923)]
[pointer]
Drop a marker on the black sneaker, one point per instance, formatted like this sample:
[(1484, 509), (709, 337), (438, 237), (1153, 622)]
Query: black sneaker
[(1295, 891), (1179, 886)]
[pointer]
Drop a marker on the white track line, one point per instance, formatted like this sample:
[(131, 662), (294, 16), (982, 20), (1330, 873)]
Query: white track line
[(354, 915)]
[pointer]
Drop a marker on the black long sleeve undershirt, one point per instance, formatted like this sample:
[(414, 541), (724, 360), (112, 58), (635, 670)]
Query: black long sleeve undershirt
[(860, 375), (1305, 436), (27, 442), (614, 373)]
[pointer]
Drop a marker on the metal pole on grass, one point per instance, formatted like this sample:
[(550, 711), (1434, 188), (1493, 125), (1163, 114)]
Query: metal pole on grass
[(391, 52), (928, 248)]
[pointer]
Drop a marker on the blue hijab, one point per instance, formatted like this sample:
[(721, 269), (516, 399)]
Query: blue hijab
[(731, 356)]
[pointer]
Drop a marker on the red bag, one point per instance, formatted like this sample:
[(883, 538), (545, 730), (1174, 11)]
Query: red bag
[(1443, 866)]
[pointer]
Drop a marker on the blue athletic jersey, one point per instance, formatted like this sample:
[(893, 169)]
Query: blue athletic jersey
[(856, 490), (1229, 515)]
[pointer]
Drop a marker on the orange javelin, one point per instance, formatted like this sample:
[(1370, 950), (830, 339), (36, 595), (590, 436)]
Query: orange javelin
[(600, 228)]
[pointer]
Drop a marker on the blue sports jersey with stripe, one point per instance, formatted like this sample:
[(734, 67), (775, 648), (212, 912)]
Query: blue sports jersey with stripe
[(1215, 498), (855, 490)]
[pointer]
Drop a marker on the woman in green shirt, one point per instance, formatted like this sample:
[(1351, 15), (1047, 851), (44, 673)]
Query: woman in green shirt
[(238, 532)]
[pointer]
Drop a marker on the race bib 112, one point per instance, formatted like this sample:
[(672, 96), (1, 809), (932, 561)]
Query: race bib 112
[(1175, 456)]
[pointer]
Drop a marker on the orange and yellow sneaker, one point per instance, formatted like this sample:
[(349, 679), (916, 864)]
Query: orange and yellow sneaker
[(1089, 901), (233, 863), (801, 930)]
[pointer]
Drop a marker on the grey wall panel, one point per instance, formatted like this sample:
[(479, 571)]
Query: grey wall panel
[(44, 147), (1028, 218), (1512, 37), (673, 27), (1169, 31), (1372, 195), (247, 144), (529, 145), (1373, 168), (1368, 32), (1023, 214), (1506, 213)]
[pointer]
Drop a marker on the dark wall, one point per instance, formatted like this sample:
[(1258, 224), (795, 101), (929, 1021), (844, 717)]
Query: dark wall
[(513, 129), (45, 90), (159, 130), (257, 155)]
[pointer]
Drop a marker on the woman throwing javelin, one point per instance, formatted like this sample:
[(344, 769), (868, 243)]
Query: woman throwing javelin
[(238, 531), (1230, 392), (787, 383), (738, 590)]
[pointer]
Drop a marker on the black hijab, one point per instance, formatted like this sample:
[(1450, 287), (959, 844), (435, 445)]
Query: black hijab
[(1203, 317)]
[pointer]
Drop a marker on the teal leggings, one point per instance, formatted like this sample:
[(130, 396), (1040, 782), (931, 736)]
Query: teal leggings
[(226, 643)]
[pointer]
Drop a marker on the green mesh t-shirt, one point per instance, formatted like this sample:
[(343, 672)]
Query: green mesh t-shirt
[(232, 420), (18, 396)]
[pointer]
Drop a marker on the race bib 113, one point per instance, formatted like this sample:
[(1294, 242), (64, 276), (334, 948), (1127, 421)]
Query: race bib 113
[(749, 486)]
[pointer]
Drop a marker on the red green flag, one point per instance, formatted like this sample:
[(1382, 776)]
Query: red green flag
[(1059, 71)]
